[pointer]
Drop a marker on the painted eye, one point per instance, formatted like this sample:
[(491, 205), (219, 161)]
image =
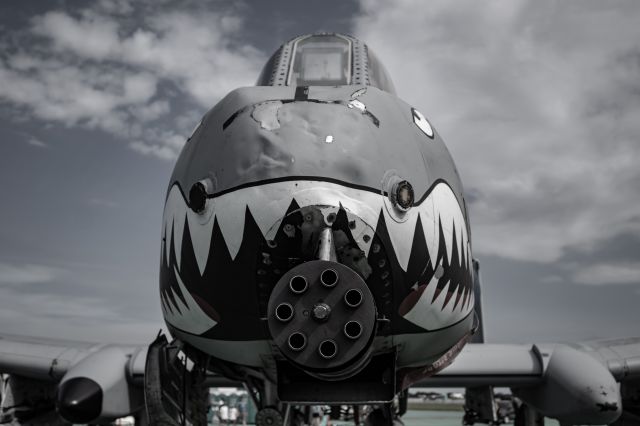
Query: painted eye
[(422, 122)]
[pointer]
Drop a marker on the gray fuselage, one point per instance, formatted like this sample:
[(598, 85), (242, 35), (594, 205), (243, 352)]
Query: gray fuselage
[(268, 170)]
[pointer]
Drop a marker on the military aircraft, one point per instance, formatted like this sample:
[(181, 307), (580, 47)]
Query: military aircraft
[(316, 249)]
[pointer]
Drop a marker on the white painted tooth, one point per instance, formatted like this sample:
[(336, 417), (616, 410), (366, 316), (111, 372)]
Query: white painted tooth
[(201, 232), (191, 317), (185, 294), (447, 229), (431, 316), (175, 206), (439, 302), (455, 228), (463, 300), (422, 313), (430, 291), (178, 231), (401, 235), (459, 238), (167, 304), (450, 309), (360, 231), (449, 212), (175, 210), (459, 292), (328, 210), (364, 208), (268, 205), (364, 204), (163, 304), (168, 243), (231, 219), (465, 244), (180, 306), (429, 226), (465, 251), (466, 235)]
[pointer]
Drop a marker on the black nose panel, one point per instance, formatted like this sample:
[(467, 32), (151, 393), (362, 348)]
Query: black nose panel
[(80, 400), (314, 338)]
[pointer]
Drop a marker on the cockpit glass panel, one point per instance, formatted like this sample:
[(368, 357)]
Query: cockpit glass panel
[(321, 60)]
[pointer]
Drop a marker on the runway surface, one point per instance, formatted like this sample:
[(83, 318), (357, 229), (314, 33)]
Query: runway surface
[(442, 418)]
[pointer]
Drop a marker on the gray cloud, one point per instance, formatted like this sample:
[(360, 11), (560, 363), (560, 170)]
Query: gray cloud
[(36, 142), (538, 105), (528, 302), (104, 67), (79, 317), (77, 301), (102, 202), (621, 273), (26, 273), (115, 7)]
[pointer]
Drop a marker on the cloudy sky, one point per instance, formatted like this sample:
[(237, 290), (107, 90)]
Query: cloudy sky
[(538, 101)]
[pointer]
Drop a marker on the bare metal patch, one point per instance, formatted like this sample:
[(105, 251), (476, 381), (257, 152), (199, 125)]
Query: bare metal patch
[(266, 113), (357, 105)]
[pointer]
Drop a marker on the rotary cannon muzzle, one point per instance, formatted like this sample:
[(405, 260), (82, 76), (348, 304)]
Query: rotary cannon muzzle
[(297, 341), (353, 297), (322, 317), (353, 330), (284, 312), (298, 284), (328, 349), (329, 278)]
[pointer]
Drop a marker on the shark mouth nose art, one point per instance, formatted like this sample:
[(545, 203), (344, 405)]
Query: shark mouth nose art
[(417, 266)]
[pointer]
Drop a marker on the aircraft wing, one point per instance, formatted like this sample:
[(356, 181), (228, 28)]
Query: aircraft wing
[(82, 381), (521, 365), (552, 378), (50, 359), (39, 374), (584, 381)]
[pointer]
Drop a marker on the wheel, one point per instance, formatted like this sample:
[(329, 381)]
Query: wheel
[(469, 418), (269, 417)]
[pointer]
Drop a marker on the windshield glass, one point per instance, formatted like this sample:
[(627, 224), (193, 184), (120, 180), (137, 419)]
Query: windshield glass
[(321, 60)]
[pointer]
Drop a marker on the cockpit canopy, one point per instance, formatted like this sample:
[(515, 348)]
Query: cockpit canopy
[(325, 60)]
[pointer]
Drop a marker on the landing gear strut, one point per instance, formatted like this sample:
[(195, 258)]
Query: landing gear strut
[(384, 415), (174, 394)]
